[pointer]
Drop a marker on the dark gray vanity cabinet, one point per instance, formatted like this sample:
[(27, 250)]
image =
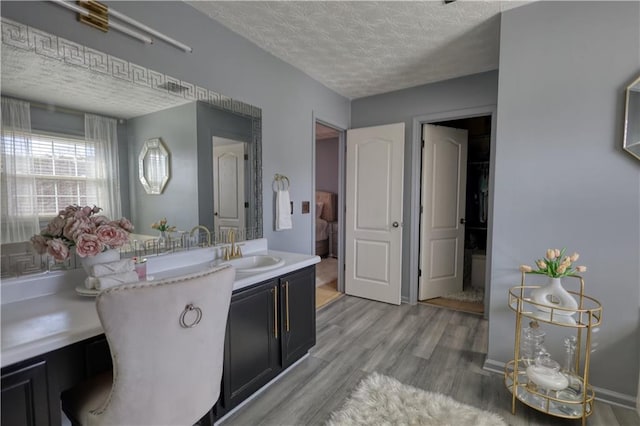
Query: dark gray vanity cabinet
[(31, 389), (252, 345), (271, 325), (298, 314), (25, 395)]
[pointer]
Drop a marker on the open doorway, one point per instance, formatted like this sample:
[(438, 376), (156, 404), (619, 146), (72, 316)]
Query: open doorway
[(470, 296), (327, 218)]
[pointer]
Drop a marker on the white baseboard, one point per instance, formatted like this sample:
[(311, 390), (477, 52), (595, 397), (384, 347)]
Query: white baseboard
[(604, 395)]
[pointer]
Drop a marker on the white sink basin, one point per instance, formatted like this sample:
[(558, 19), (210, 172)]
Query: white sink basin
[(255, 263)]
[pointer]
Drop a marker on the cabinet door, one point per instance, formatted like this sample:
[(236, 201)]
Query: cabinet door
[(25, 398), (252, 351), (298, 317)]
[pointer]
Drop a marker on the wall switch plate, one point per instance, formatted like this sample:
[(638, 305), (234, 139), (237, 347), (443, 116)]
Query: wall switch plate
[(305, 207)]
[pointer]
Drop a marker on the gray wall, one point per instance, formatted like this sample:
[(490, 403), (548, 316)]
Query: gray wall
[(229, 64), (327, 165), (473, 91), (179, 200), (561, 178)]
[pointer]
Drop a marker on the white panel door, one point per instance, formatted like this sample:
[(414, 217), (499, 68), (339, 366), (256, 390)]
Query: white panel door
[(228, 186), (373, 225), (444, 181)]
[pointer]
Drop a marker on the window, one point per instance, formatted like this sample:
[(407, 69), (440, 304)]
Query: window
[(64, 169)]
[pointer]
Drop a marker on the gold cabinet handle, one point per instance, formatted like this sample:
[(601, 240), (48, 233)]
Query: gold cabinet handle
[(286, 298), (275, 311)]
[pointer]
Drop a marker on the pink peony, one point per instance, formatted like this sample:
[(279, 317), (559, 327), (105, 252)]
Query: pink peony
[(39, 244), (99, 220), (55, 227), (69, 211), (112, 236), (125, 224), (88, 245), (78, 226), (58, 250)]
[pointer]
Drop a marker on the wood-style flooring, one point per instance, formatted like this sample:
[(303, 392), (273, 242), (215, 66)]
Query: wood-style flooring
[(427, 347), (326, 293)]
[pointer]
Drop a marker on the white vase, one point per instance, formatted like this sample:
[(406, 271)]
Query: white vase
[(553, 295), (106, 256), (163, 240)]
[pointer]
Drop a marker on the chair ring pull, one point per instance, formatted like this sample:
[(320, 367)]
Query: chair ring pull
[(190, 307)]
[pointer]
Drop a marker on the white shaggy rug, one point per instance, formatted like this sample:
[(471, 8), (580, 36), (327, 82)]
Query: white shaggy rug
[(382, 400)]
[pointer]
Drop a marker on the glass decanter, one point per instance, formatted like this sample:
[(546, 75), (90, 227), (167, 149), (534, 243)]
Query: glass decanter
[(574, 391), (531, 345)]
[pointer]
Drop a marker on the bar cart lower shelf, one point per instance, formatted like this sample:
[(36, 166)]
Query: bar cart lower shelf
[(528, 394)]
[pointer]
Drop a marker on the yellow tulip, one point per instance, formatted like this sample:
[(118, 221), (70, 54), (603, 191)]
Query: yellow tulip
[(551, 254), (581, 269), (525, 268), (557, 252), (561, 269), (574, 257), (541, 264)]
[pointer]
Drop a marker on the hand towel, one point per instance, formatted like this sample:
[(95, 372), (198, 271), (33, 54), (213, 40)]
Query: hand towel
[(117, 267), (113, 280), (283, 210)]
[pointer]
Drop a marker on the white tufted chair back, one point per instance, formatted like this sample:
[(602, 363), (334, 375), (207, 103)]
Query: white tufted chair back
[(167, 345)]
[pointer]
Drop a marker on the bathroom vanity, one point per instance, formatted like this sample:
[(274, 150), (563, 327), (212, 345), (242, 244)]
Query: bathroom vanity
[(52, 338)]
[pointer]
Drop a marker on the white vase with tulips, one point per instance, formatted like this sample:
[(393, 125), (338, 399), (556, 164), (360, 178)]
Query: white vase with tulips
[(553, 297)]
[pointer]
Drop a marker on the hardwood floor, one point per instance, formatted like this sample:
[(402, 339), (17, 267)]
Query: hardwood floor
[(327, 293), (424, 346)]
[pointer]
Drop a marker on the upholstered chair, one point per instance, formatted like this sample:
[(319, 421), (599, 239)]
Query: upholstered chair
[(167, 345)]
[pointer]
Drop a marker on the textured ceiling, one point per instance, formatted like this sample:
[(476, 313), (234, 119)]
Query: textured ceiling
[(364, 48), (51, 81)]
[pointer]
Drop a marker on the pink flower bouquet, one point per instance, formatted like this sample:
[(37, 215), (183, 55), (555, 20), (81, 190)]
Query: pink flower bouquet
[(84, 229)]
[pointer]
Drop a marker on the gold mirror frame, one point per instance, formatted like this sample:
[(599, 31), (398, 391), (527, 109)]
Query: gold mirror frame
[(631, 141), (154, 166)]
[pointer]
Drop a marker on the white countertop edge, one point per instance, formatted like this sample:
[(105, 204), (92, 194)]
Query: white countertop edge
[(90, 327)]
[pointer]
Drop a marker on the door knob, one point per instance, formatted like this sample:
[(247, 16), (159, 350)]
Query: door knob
[(462, 221), (395, 224)]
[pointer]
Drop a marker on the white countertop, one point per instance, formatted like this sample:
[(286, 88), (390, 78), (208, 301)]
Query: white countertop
[(40, 324)]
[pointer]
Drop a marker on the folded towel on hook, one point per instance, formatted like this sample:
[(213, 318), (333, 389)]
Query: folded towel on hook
[(283, 210), (117, 267), (107, 281)]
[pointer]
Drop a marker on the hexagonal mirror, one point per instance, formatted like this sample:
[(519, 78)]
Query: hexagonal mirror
[(632, 119), (153, 166)]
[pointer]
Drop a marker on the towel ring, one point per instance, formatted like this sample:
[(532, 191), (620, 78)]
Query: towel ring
[(190, 307), (280, 182)]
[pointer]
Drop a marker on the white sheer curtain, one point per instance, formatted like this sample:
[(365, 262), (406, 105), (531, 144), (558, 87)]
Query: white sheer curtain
[(103, 132), (20, 220)]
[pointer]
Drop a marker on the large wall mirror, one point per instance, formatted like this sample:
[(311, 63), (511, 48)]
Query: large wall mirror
[(632, 119), (62, 80)]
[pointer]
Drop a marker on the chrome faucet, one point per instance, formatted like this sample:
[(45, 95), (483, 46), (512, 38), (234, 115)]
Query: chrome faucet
[(234, 251), (204, 228)]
